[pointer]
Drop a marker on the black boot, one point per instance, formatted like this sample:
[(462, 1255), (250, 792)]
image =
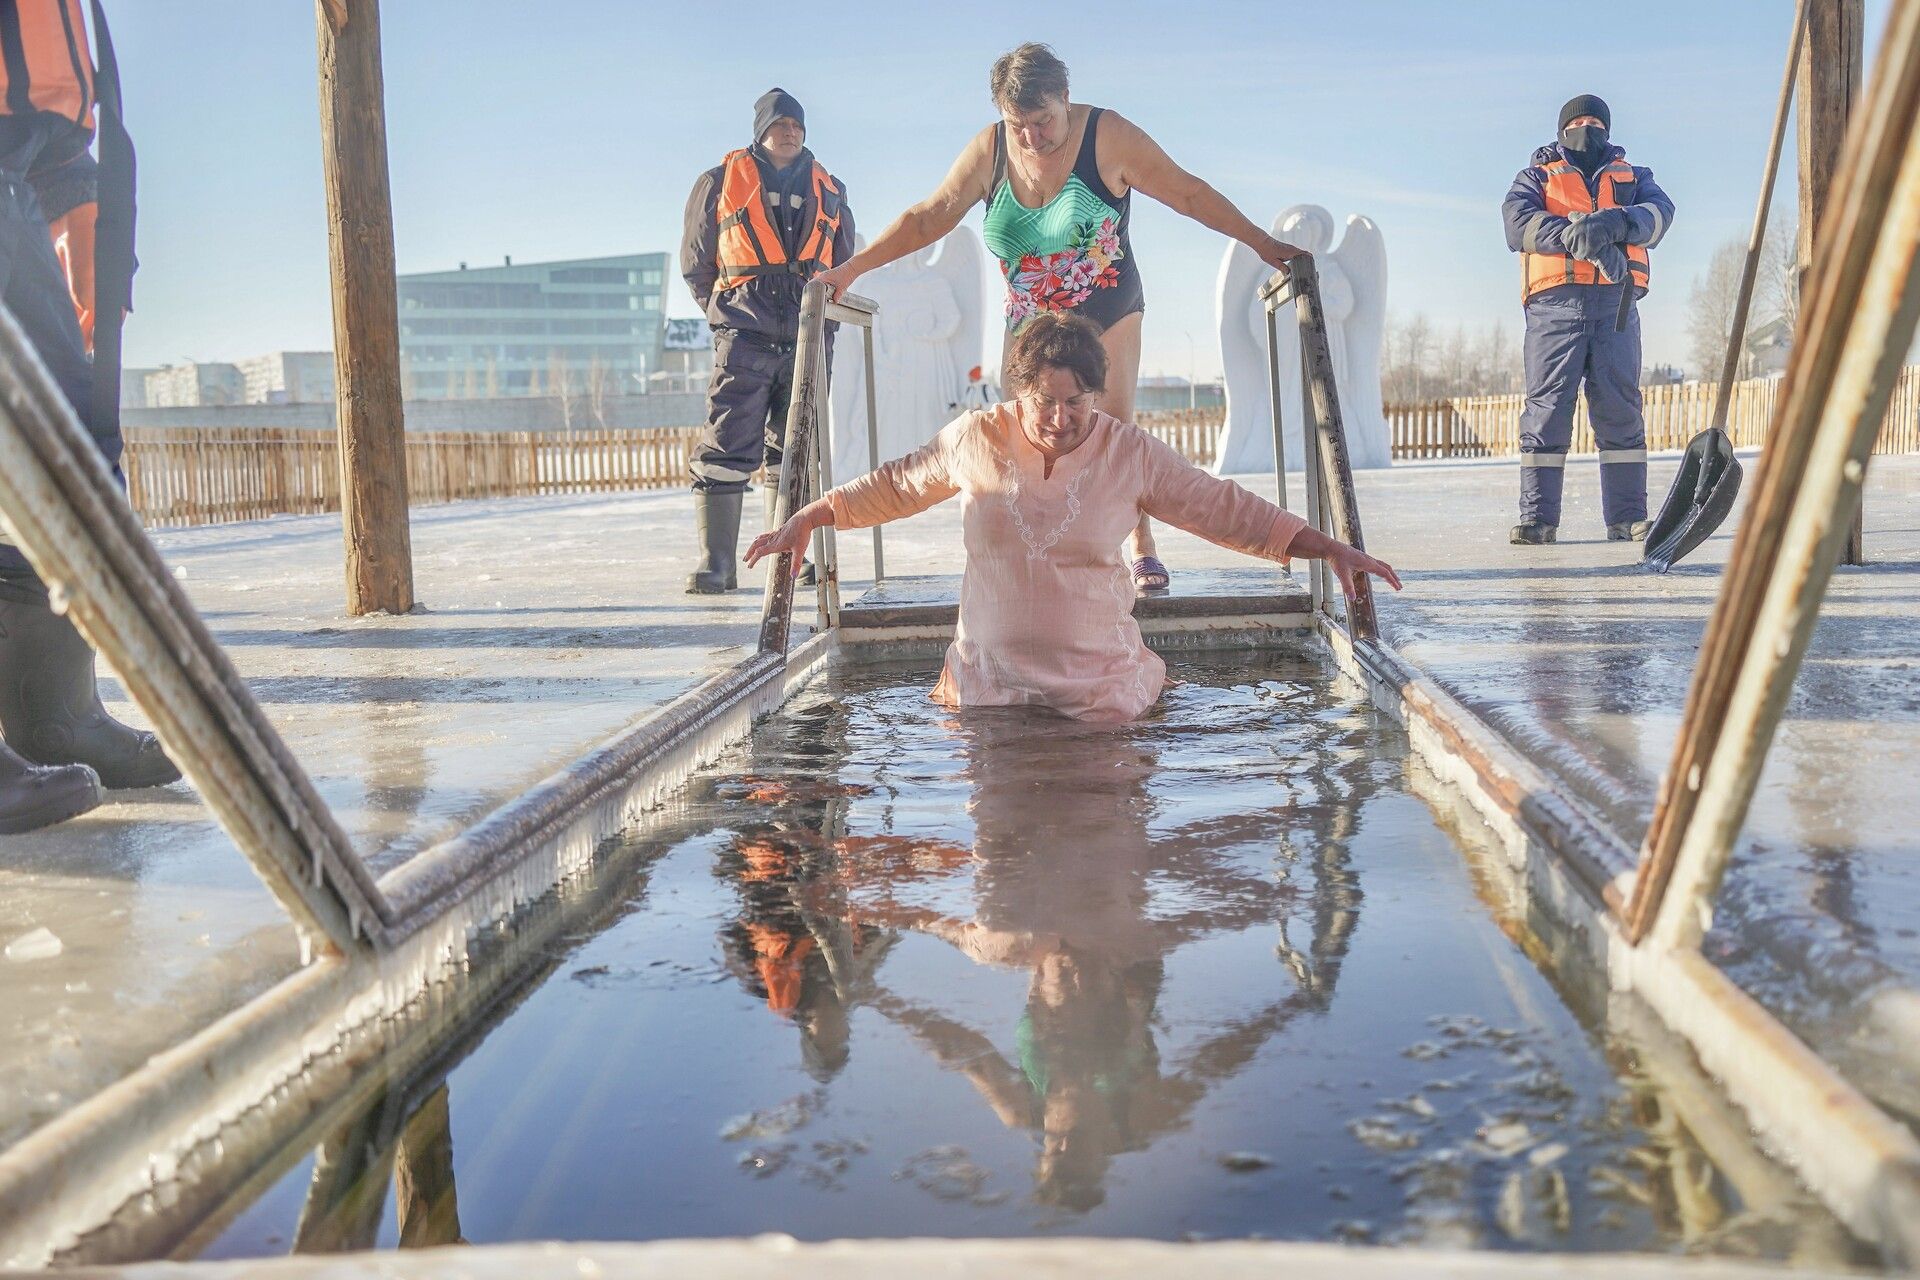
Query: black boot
[(717, 518), (770, 493), (1628, 531), (1533, 534), (50, 707), (32, 798)]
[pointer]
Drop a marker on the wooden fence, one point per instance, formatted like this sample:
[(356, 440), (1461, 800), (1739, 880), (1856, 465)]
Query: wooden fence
[(190, 476), (1489, 426), (1194, 433)]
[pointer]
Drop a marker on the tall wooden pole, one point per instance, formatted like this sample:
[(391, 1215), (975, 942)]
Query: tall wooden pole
[(1858, 317), (1830, 81), (366, 319)]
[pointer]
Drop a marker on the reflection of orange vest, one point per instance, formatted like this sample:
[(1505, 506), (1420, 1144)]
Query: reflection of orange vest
[(749, 245), (1567, 193), (44, 61), (780, 958)]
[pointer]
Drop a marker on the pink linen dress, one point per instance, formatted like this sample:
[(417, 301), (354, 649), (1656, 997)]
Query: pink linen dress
[(1046, 605)]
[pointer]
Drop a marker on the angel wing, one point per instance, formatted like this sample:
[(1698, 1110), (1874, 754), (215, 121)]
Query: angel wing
[(1362, 257), (1247, 442), (962, 261)]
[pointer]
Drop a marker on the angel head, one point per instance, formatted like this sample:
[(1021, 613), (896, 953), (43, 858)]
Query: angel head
[(1306, 225)]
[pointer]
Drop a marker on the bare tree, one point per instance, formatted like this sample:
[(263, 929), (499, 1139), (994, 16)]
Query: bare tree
[(1710, 308), (599, 386), (1779, 284), (560, 385), (1423, 363)]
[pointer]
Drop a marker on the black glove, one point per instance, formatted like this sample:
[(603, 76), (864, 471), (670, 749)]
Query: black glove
[(1613, 224), (1588, 237), (1612, 261), (1582, 241)]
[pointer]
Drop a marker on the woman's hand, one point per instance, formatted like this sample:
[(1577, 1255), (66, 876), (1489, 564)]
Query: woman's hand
[(839, 279), (1278, 253), (1348, 564), (791, 536)]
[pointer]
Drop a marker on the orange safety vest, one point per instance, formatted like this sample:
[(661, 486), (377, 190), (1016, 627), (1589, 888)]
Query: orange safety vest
[(45, 64), (1567, 193), (749, 245)]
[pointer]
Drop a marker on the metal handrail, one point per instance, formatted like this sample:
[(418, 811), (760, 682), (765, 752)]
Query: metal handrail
[(1332, 508), (805, 441)]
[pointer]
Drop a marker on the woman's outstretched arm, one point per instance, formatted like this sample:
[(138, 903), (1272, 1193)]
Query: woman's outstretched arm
[(904, 487), (924, 223), (1146, 168), (1217, 509)]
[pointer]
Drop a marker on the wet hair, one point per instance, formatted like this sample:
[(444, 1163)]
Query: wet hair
[(1056, 340), (1023, 79)]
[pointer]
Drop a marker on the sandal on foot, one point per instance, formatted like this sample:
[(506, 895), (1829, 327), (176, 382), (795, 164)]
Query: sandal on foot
[(1150, 577)]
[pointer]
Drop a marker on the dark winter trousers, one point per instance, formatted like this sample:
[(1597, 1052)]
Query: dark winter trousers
[(1570, 341), (747, 400), (34, 289)]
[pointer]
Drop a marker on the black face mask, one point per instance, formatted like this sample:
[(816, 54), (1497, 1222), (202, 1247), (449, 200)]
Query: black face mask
[(1584, 142)]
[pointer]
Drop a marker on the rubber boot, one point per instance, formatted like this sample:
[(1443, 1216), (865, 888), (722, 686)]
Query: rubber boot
[(50, 706), (31, 798), (770, 498), (717, 518)]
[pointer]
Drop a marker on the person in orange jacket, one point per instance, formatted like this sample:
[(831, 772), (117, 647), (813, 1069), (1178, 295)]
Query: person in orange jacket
[(759, 225), (66, 266)]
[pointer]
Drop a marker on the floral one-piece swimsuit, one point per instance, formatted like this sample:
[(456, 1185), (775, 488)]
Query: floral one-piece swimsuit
[(1071, 253)]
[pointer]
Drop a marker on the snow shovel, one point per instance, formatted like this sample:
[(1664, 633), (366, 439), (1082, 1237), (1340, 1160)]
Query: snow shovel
[(1700, 499), (1709, 479)]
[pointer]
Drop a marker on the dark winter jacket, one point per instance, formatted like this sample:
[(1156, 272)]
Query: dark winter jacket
[(767, 305), (1531, 229)]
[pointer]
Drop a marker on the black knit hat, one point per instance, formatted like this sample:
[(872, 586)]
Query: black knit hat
[(773, 104), (1585, 104)]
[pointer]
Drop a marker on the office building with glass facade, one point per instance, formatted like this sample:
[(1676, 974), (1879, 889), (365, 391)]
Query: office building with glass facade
[(591, 326)]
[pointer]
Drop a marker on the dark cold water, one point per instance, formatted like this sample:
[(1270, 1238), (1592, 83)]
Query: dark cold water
[(893, 971)]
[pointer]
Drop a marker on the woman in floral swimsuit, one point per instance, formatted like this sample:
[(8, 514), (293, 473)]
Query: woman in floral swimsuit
[(1058, 180)]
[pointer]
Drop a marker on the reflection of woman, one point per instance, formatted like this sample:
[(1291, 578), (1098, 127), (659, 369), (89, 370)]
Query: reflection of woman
[(1049, 486), (1064, 862), (1058, 180)]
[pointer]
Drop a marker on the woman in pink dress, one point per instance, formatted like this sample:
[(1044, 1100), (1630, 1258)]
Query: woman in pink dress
[(1049, 488)]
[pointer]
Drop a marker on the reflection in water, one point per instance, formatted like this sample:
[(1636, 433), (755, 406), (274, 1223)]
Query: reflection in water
[(355, 1164), (1029, 974), (1071, 888)]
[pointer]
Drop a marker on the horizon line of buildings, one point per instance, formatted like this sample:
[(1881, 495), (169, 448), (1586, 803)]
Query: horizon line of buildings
[(577, 328)]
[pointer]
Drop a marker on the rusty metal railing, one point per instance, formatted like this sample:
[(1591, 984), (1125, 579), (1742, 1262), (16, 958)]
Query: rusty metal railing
[(1327, 472)]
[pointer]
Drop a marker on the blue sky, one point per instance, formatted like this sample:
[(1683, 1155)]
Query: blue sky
[(571, 128)]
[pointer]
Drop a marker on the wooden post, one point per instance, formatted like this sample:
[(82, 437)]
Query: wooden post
[(1858, 317), (366, 316), (1830, 76)]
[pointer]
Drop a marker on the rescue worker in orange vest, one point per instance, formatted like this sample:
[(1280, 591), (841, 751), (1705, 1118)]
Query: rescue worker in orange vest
[(66, 268), (758, 227), (1583, 220)]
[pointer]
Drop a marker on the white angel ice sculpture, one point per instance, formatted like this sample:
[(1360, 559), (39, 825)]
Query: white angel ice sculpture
[(1353, 289), (930, 333)]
